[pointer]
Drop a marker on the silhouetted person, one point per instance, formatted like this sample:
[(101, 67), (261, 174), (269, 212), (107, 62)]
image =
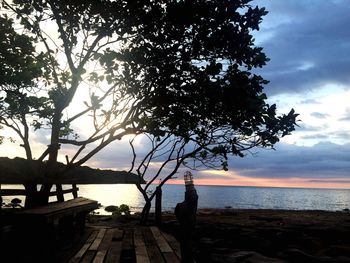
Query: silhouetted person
[(186, 215)]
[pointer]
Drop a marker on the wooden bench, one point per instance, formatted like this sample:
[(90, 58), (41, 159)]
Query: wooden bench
[(50, 226), (52, 212)]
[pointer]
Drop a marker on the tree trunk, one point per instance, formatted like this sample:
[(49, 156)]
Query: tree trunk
[(158, 206), (145, 212)]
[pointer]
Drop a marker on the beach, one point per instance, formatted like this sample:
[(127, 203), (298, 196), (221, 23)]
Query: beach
[(248, 235), (243, 235)]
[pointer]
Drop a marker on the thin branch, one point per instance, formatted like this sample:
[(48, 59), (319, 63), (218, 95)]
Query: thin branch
[(66, 44), (133, 154)]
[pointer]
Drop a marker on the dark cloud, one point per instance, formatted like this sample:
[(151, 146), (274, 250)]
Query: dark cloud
[(323, 160), (344, 135), (346, 115), (330, 181), (308, 43), (328, 136), (315, 136), (311, 128), (310, 101), (319, 115)]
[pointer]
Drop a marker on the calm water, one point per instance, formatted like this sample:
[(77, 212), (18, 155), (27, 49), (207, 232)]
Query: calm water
[(224, 196)]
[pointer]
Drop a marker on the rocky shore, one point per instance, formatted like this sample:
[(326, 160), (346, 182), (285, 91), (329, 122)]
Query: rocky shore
[(231, 235)]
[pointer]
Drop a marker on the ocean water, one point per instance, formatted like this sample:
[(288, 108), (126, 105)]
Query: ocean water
[(226, 196), (222, 196)]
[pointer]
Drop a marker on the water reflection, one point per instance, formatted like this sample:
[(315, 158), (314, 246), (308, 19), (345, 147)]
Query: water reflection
[(113, 194), (215, 197)]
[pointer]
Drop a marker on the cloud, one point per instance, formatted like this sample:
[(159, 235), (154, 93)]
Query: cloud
[(311, 128), (308, 48), (319, 115), (346, 116), (315, 136), (323, 160), (310, 101), (335, 181)]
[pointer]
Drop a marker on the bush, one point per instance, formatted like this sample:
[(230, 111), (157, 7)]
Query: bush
[(118, 212)]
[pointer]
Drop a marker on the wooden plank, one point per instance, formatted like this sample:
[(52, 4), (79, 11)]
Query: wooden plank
[(175, 245), (140, 248), (103, 246), (98, 239), (54, 207), (128, 239), (113, 255), (100, 256), (170, 257), (88, 257), (151, 245), (162, 243), (84, 248), (11, 192), (117, 235), (56, 210), (107, 240), (64, 191)]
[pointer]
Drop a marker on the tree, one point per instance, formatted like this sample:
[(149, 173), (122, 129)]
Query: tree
[(57, 49), (171, 69), (194, 62)]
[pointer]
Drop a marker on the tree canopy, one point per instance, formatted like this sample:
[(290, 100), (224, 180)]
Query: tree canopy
[(181, 68)]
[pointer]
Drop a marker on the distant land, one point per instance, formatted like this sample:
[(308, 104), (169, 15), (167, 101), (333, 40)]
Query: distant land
[(19, 171)]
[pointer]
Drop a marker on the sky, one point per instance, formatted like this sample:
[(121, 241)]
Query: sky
[(308, 43)]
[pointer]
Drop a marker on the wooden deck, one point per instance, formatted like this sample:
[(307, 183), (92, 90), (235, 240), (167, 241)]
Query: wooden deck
[(138, 244)]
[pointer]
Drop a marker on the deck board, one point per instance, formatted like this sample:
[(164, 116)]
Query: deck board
[(162, 244), (76, 258), (140, 247), (114, 252), (100, 256), (137, 244), (173, 243), (152, 248)]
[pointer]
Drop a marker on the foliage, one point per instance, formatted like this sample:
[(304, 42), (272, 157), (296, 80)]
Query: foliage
[(118, 211), (15, 203), (169, 69), (191, 66)]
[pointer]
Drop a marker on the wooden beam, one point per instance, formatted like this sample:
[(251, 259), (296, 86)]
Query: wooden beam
[(140, 248), (97, 241), (11, 192), (77, 257)]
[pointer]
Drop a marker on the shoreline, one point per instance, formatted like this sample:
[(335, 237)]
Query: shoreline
[(263, 235)]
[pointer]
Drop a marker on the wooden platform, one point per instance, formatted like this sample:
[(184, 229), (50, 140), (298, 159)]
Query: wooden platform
[(138, 244)]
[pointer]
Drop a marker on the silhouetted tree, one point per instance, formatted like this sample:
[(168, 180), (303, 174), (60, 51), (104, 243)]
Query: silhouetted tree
[(191, 63), (165, 68)]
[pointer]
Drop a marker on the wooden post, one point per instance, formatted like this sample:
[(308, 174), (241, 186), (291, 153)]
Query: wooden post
[(75, 190), (158, 206), (60, 197)]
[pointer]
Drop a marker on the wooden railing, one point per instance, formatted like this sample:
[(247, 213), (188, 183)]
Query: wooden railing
[(22, 192)]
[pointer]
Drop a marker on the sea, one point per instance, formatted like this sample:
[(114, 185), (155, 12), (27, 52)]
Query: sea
[(217, 197)]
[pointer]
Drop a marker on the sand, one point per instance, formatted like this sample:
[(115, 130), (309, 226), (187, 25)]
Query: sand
[(231, 235)]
